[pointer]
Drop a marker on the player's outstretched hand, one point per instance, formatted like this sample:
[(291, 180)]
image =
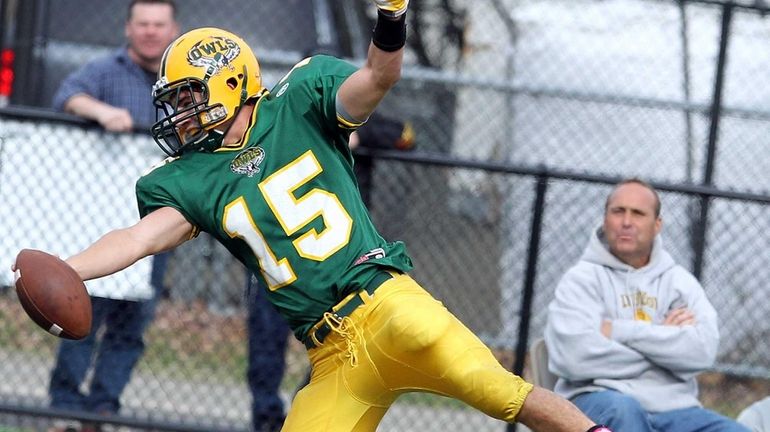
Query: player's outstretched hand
[(392, 8)]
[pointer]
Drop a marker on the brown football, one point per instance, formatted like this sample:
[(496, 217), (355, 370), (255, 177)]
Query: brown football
[(53, 294)]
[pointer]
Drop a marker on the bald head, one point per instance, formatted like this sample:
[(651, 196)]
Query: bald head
[(641, 183)]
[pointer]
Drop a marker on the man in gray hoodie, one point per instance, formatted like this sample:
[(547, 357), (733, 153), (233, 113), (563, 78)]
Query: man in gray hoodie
[(629, 329)]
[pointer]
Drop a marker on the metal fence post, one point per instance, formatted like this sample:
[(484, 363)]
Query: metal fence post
[(541, 188), (699, 229)]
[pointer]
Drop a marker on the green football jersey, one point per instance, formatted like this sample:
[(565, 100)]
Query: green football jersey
[(285, 201)]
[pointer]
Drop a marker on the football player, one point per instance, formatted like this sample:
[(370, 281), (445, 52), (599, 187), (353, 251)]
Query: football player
[(268, 173)]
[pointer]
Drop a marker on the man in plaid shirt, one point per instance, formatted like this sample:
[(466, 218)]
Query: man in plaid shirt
[(116, 92)]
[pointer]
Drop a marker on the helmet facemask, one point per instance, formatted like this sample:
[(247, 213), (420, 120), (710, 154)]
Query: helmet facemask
[(184, 116)]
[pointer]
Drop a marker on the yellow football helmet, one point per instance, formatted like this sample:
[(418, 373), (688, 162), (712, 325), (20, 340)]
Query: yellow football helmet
[(205, 77)]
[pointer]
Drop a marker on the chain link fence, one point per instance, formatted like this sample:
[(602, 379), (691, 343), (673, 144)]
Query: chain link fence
[(588, 91)]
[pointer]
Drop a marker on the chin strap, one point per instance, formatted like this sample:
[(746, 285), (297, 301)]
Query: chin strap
[(212, 141)]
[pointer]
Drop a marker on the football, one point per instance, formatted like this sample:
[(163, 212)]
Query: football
[(52, 294)]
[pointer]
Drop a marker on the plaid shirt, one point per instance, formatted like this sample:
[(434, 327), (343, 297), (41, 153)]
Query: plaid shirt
[(115, 80)]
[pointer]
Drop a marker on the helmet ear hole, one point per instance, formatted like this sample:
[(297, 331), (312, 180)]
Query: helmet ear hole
[(232, 83)]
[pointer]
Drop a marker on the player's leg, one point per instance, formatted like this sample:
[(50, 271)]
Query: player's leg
[(418, 345), (400, 340), (331, 401)]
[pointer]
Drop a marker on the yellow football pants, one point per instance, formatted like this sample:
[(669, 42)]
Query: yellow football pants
[(400, 340)]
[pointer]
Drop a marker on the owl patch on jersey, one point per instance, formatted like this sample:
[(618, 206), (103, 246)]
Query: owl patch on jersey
[(247, 162)]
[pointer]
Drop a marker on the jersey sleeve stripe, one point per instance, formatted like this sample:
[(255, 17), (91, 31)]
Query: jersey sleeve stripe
[(347, 124), (344, 119)]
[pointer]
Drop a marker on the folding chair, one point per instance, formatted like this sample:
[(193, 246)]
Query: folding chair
[(538, 374)]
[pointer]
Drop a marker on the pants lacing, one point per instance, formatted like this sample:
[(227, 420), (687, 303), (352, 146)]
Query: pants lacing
[(348, 330)]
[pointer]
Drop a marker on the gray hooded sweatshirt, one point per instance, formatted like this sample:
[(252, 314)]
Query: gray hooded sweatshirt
[(654, 363)]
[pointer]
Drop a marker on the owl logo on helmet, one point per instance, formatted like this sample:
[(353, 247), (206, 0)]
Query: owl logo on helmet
[(205, 77), (214, 55)]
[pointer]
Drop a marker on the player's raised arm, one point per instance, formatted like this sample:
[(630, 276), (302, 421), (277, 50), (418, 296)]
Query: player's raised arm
[(364, 89), (160, 230)]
